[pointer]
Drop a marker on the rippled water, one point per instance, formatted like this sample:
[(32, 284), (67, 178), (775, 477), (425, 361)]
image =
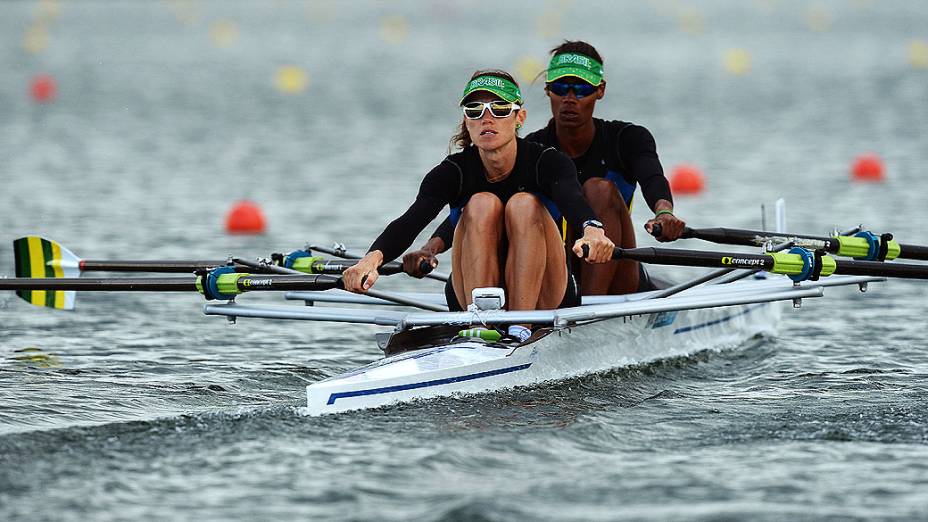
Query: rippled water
[(138, 407)]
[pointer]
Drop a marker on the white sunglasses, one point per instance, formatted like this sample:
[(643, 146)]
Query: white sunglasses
[(498, 108)]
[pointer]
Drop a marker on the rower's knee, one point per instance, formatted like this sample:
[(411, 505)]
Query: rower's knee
[(482, 209), (524, 208), (603, 195)]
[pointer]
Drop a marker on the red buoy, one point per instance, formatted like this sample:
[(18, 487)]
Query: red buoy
[(687, 179), (868, 168), (43, 88), (245, 217)]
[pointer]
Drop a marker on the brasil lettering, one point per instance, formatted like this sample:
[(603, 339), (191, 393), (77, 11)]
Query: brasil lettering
[(742, 262), (487, 81), (575, 59)]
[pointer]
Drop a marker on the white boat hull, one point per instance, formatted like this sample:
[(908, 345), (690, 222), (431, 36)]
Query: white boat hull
[(467, 367)]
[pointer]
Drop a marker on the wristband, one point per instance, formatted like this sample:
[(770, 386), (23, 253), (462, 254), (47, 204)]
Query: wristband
[(665, 211)]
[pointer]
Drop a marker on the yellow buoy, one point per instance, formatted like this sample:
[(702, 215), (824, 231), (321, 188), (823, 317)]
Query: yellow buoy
[(185, 11), (737, 61), (394, 29), (49, 9), (223, 33), (528, 68), (691, 20), (818, 18), (918, 54), (291, 79), (36, 39)]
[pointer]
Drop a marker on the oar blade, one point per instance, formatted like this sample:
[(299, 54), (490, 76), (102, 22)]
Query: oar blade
[(37, 257)]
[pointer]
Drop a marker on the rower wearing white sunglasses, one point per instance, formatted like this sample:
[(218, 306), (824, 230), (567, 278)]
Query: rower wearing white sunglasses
[(503, 193), (612, 158)]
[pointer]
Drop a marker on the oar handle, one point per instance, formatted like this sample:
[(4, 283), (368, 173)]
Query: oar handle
[(657, 230), (393, 268)]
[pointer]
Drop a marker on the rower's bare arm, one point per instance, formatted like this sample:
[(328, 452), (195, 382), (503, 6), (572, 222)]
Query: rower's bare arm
[(361, 277), (412, 261), (600, 246), (671, 226)]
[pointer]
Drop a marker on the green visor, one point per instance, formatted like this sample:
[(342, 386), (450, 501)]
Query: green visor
[(574, 64), (501, 87)]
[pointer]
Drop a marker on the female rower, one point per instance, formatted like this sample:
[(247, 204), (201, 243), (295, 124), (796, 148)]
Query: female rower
[(497, 187), (611, 157)]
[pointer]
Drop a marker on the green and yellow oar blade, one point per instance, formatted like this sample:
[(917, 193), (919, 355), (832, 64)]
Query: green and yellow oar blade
[(37, 257)]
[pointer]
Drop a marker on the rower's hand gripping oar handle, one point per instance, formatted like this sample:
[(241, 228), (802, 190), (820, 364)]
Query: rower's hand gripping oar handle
[(657, 230), (424, 266), (616, 252)]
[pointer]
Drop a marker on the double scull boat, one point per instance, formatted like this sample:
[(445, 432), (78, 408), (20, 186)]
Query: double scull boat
[(432, 352), (426, 357)]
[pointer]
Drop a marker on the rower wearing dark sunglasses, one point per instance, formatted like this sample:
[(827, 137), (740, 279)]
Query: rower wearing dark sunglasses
[(503, 192), (611, 158)]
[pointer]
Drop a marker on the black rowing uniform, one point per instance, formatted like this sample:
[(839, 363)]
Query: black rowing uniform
[(540, 170), (622, 152), (626, 155)]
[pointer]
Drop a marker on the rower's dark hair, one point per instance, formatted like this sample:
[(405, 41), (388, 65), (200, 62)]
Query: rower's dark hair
[(580, 47), (461, 138)]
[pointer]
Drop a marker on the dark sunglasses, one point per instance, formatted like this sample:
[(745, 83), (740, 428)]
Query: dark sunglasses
[(580, 89)]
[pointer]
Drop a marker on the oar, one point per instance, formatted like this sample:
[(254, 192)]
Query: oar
[(339, 250), (37, 256), (798, 263), (216, 284), (41, 258), (330, 267), (715, 274), (718, 275), (860, 245)]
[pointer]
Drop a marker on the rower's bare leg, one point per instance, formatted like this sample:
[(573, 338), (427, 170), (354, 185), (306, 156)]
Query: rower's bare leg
[(610, 278), (536, 269), (475, 250)]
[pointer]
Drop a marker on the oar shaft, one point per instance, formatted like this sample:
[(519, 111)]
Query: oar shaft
[(875, 268), (229, 283), (337, 267), (398, 266), (845, 245), (137, 284), (734, 236), (189, 267), (792, 264), (914, 252), (165, 266), (671, 256)]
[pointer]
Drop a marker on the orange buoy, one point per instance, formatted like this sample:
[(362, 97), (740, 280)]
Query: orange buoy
[(868, 167), (687, 179), (43, 88), (245, 217)]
